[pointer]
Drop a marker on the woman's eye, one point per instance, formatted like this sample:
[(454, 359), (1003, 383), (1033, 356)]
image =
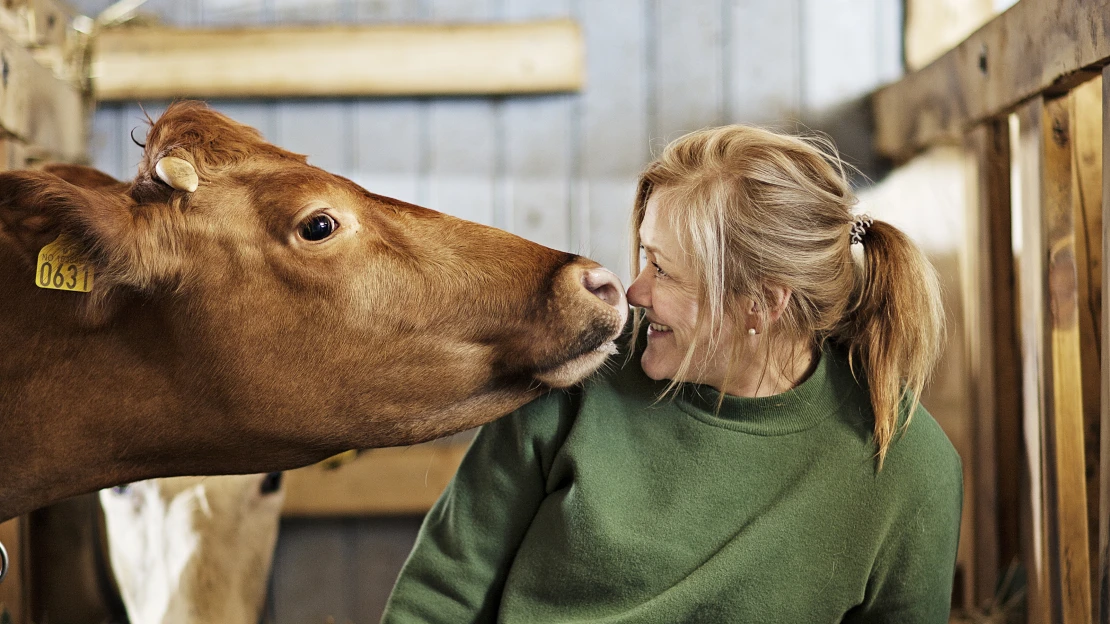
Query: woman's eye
[(658, 270), (318, 227)]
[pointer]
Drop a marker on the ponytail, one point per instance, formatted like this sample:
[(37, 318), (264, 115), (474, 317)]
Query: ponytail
[(896, 328)]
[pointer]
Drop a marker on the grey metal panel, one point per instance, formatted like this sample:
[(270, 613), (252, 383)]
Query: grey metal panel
[(612, 128), (105, 150), (688, 81), (764, 59), (319, 129), (388, 149), (535, 175)]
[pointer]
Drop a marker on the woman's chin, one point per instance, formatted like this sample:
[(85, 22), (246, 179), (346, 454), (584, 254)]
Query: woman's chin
[(654, 368)]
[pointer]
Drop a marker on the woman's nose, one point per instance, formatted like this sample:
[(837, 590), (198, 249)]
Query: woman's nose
[(639, 292)]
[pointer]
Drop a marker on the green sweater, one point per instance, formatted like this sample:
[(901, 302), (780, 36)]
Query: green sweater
[(601, 504)]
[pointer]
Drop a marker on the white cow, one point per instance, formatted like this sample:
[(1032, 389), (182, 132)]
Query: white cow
[(194, 550)]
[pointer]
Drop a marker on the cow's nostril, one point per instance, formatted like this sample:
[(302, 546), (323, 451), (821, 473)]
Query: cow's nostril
[(605, 286)]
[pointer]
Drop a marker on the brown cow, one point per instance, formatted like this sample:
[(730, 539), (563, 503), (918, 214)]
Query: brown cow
[(273, 316)]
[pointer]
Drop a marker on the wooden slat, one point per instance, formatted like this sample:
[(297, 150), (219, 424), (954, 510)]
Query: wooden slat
[(993, 358), (15, 589), (392, 481), (38, 108), (1061, 592), (474, 59), (1104, 460), (1035, 46), (1087, 188)]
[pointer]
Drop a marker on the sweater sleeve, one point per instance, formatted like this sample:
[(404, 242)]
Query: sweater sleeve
[(911, 582), (464, 550)]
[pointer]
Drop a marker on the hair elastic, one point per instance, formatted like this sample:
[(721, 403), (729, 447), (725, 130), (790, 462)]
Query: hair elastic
[(859, 227)]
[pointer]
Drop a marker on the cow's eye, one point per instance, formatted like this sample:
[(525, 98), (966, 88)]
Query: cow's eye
[(318, 227)]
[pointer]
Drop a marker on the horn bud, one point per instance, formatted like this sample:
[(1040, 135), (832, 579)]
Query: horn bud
[(178, 173)]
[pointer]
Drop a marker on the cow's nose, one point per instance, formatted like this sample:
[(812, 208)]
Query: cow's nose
[(607, 287)]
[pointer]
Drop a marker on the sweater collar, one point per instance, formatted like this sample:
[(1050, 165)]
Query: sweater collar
[(797, 409)]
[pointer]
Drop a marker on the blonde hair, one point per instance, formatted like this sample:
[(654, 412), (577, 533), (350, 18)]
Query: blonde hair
[(756, 209)]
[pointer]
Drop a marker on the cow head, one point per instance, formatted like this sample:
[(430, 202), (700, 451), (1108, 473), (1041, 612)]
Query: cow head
[(287, 308)]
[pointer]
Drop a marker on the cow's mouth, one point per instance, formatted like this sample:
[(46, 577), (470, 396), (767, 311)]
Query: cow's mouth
[(577, 368)]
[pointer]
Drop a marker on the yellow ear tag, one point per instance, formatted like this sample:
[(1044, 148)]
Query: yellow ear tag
[(62, 267)]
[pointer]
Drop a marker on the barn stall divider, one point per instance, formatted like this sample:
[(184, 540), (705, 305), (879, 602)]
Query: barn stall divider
[(1026, 97)]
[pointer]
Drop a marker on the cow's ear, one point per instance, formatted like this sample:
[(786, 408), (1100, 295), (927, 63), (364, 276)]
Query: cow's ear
[(104, 223), (37, 206), (85, 177)]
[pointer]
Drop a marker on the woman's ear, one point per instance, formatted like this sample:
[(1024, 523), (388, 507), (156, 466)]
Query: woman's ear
[(777, 298)]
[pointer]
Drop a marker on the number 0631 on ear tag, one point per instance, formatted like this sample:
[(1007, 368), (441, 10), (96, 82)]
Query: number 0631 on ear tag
[(62, 267)]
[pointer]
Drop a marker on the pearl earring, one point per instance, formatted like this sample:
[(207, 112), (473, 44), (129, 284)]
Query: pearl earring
[(751, 331)]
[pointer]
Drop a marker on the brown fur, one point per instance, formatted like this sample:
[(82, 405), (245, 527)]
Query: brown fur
[(216, 341)]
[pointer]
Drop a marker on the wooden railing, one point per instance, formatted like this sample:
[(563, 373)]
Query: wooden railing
[(1026, 95)]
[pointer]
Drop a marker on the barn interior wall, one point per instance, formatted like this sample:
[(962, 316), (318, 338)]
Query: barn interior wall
[(559, 169)]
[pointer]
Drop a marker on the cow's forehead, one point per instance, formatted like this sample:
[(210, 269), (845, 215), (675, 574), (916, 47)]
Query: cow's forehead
[(208, 139)]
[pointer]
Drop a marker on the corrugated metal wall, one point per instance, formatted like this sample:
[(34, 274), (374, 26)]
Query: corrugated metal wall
[(556, 169)]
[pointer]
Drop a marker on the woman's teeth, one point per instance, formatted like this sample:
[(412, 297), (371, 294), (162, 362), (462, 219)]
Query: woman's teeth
[(659, 327)]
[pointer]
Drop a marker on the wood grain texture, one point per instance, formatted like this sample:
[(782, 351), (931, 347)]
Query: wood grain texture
[(330, 61), (1103, 586), (1035, 46), (1053, 361), (1087, 189), (392, 481), (993, 358)]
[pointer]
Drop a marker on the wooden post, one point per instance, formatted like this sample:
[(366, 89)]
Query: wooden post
[(1086, 133), (1104, 460), (1060, 587), (994, 359)]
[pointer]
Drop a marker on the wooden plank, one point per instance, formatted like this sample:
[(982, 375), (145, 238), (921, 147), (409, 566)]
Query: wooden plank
[(1035, 550), (1087, 189), (1034, 47), (1104, 459), (1053, 359), (933, 28), (15, 589), (473, 59), (38, 108), (993, 358), (391, 481)]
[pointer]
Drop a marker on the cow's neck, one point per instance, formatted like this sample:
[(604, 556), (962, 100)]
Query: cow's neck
[(59, 382)]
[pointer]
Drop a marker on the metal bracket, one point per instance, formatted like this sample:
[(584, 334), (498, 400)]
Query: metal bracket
[(3, 562)]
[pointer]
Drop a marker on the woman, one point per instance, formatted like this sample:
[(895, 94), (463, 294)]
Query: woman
[(766, 461)]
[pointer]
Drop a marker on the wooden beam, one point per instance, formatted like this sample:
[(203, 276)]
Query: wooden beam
[(474, 59), (1052, 362), (38, 108), (994, 359), (379, 482), (1036, 46)]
